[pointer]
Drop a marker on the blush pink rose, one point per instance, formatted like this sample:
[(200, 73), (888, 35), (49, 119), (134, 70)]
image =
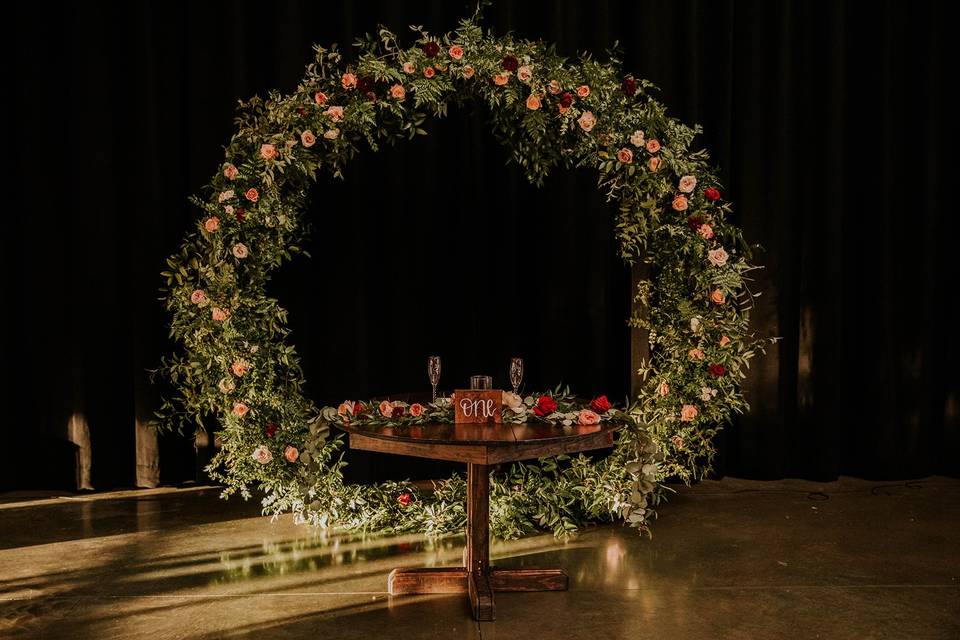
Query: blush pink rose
[(677, 442), (583, 91), (705, 231), (397, 92), (687, 413), (225, 195), (252, 194), (408, 67), (416, 409), (553, 87), (230, 172), (290, 453), (587, 417), (587, 121), (696, 354), (331, 134), (533, 102), (320, 98), (228, 209), (717, 297), (456, 52), (501, 79), (717, 257), (625, 156), (240, 251), (268, 151), (211, 224), (653, 145), (349, 81), (335, 113), (262, 455), (724, 341), (240, 409), (664, 389), (687, 184), (219, 315), (386, 409), (308, 139), (680, 203), (468, 71), (199, 297), (240, 367), (524, 73)]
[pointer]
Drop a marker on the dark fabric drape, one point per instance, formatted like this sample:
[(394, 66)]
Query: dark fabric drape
[(828, 120)]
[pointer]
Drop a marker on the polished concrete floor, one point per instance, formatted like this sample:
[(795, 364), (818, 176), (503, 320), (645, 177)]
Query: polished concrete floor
[(730, 559)]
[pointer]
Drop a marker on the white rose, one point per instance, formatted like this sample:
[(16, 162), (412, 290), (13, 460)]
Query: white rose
[(226, 195), (637, 139), (695, 325), (513, 401), (717, 257), (706, 393)]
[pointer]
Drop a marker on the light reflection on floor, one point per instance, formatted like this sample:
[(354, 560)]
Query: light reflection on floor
[(729, 559)]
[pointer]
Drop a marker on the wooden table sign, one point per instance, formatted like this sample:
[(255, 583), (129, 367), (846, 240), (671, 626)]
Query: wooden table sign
[(478, 407)]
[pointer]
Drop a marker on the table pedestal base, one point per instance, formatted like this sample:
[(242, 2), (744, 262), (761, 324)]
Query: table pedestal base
[(479, 586)]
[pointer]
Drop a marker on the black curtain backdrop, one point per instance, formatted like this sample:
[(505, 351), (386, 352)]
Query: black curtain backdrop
[(827, 119)]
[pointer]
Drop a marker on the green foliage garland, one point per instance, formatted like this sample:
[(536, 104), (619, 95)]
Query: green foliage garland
[(237, 368)]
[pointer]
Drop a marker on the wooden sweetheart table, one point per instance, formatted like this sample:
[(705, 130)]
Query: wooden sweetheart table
[(480, 446)]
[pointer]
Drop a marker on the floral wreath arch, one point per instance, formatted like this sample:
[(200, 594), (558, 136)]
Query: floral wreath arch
[(236, 365)]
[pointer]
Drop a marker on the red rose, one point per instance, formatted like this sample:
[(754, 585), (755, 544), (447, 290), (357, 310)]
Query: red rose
[(566, 99), (545, 406), (711, 194), (717, 370), (397, 412), (430, 49), (694, 222), (240, 213), (601, 404), (271, 430), (629, 86), (357, 408), (404, 498), (510, 63)]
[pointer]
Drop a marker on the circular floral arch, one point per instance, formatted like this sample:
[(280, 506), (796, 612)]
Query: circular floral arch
[(236, 367)]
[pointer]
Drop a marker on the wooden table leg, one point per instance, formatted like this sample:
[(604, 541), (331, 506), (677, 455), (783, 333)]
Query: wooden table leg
[(478, 541)]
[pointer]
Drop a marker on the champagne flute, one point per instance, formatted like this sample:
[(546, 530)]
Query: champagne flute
[(433, 372), (516, 373)]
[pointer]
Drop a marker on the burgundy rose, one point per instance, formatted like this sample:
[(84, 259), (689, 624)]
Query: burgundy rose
[(601, 404), (397, 412), (545, 406), (510, 63), (357, 408), (566, 99), (717, 370), (300, 111), (365, 84), (240, 213), (695, 222), (629, 86), (430, 49), (271, 430), (404, 498), (711, 194)]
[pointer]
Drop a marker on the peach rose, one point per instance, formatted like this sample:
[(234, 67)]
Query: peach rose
[(653, 145), (240, 251), (680, 203), (252, 194), (553, 87), (501, 79), (416, 409), (199, 297), (687, 183), (664, 389), (262, 455), (524, 73), (386, 408), (724, 341), (331, 134), (290, 453), (468, 71), (587, 121), (717, 257), (349, 81), (320, 98), (308, 139), (211, 224), (335, 113), (533, 102), (696, 354), (219, 314), (717, 297), (230, 172), (677, 442), (636, 138), (397, 92), (654, 163), (429, 72), (408, 67), (587, 417), (226, 385), (240, 367), (268, 151), (225, 195), (687, 413), (625, 156), (456, 52), (562, 109), (583, 91), (705, 231), (345, 409), (240, 409)]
